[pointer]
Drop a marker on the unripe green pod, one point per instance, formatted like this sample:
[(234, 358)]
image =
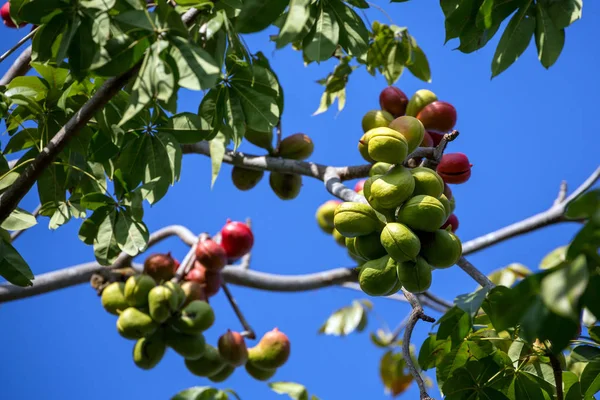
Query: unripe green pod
[(162, 302), (396, 287), (376, 119), (452, 205), (422, 212), (271, 352), (368, 247), (297, 147), (324, 215), (190, 347), (400, 242), (379, 168), (441, 249), (411, 128), (137, 288), (415, 276), (244, 178), (258, 373), (113, 298), (377, 277), (356, 219), (196, 317), (338, 237), (427, 181), (390, 190), (386, 145), (178, 290), (209, 364), (364, 150), (261, 139), (135, 324), (223, 374), (285, 186), (349, 243), (418, 101), (148, 351), (447, 206)]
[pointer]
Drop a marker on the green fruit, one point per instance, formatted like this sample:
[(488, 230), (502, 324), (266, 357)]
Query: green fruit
[(422, 212), (379, 168), (369, 247), (137, 288), (396, 287), (260, 139), (113, 298), (386, 145), (411, 128), (441, 249), (190, 347), (223, 374), (162, 302), (324, 215), (376, 119), (364, 150), (209, 364), (419, 100), (377, 277), (196, 317), (428, 182), (285, 186), (259, 374), (178, 290), (390, 190), (135, 324), (447, 205), (244, 178), (400, 242), (296, 147), (148, 351), (356, 219), (349, 243), (271, 352), (415, 276), (452, 205), (338, 237)]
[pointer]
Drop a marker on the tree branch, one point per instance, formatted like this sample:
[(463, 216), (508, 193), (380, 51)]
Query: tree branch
[(18, 44), (19, 68), (474, 273)]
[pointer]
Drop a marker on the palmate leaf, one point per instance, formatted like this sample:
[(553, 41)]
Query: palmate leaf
[(323, 38), (297, 21)]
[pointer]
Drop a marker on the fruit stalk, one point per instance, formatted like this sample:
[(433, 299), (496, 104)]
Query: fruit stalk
[(188, 261), (248, 331)]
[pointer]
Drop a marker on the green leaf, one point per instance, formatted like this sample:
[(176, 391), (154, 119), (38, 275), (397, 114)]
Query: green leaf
[(455, 323), (471, 302), (586, 240), (23, 140), (46, 39), (354, 35), (347, 319), (131, 235), (514, 40), (18, 219), (257, 15), (197, 69), (163, 161), (120, 54), (565, 12), (584, 206), (51, 185), (217, 151), (211, 110), (186, 128), (523, 387), (40, 12), (101, 148), (106, 247), (323, 38), (28, 86), (61, 216), (295, 23), (234, 117), (132, 160), (294, 390), (555, 258), (261, 110), (585, 354), (89, 228), (419, 65), (397, 58), (505, 306), (484, 15), (104, 5), (548, 39), (364, 4), (137, 19), (457, 13), (433, 351), (83, 48), (594, 332), (201, 393), (562, 289), (590, 379), (94, 201), (13, 267)]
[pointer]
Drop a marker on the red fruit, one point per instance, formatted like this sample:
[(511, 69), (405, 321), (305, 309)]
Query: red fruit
[(5, 14), (438, 116), (210, 281), (359, 185), (427, 140), (232, 348), (447, 191), (393, 100), (452, 221), (454, 168), (436, 137), (210, 254), (237, 239), (161, 267)]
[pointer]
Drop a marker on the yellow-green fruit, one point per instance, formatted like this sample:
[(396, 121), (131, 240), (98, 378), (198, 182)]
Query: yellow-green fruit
[(324, 215), (419, 100), (349, 243), (411, 128), (390, 190), (272, 351), (376, 119), (447, 205), (386, 145), (162, 302), (379, 168), (178, 290), (427, 181), (190, 347), (400, 242), (423, 213), (223, 374), (137, 288), (135, 324), (285, 186), (396, 287), (364, 150), (441, 249), (297, 147), (113, 298), (369, 247), (209, 364), (415, 276), (356, 219), (338, 237), (377, 277), (245, 179), (148, 351), (261, 139), (452, 205), (196, 317), (258, 373)]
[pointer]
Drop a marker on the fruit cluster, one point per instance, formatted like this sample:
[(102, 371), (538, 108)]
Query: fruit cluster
[(286, 186)]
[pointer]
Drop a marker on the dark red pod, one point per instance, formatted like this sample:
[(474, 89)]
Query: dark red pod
[(393, 100), (427, 140), (436, 137), (237, 239), (232, 348), (161, 267), (451, 221), (454, 168), (210, 281), (438, 116), (211, 254)]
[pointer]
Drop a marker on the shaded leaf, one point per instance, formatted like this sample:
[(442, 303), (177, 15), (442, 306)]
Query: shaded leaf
[(347, 319), (13, 267), (257, 15), (321, 41), (548, 38), (562, 289)]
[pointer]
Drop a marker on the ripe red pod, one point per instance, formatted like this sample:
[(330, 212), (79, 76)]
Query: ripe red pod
[(438, 116), (393, 100), (359, 185), (161, 267), (5, 15), (436, 137), (232, 348), (211, 254), (427, 140), (454, 168), (447, 191), (210, 281), (237, 239), (451, 221)]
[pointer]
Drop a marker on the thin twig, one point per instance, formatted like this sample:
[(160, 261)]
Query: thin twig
[(562, 193), (474, 273), (248, 331), (381, 10), (19, 68), (18, 44), (188, 260), (16, 234), (557, 371), (401, 326), (438, 152), (245, 263)]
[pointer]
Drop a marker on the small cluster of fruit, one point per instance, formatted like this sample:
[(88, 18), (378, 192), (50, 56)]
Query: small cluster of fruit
[(286, 186), (5, 15)]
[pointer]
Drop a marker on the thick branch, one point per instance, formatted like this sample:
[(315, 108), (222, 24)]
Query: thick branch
[(19, 68)]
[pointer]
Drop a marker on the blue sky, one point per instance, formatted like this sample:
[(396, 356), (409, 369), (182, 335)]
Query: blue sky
[(525, 132)]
